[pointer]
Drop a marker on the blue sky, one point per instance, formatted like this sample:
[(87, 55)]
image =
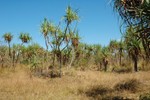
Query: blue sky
[(98, 22)]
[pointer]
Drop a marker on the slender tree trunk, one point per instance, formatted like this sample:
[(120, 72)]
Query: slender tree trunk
[(60, 65), (9, 49), (18, 53), (72, 58), (53, 59), (18, 56), (100, 65), (135, 59), (147, 52), (13, 58), (53, 64), (135, 65), (120, 60), (46, 43), (105, 64), (46, 48)]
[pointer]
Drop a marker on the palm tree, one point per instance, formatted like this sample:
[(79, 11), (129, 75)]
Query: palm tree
[(136, 13), (25, 37), (45, 31), (98, 55), (8, 38), (114, 48), (134, 51), (105, 54), (69, 18), (133, 47), (70, 15)]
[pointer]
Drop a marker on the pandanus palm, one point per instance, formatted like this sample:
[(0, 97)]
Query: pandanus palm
[(25, 37), (133, 47), (70, 15), (45, 31), (105, 54), (136, 13), (8, 38), (69, 18)]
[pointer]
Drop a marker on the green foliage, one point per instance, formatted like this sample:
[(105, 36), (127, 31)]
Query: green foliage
[(25, 37), (136, 13), (8, 37), (45, 27), (70, 15)]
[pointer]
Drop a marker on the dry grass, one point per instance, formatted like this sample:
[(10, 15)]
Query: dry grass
[(74, 85)]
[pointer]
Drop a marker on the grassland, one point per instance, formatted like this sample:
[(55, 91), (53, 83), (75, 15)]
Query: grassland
[(74, 85)]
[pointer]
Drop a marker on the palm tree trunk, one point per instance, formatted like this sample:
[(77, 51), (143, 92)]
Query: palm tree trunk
[(72, 58), (120, 61), (53, 59), (146, 47), (135, 63), (18, 56), (9, 50), (105, 64), (46, 48), (46, 43), (13, 58), (60, 65), (100, 65)]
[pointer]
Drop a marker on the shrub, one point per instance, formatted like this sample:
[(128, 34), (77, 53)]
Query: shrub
[(128, 85), (122, 69), (145, 96), (96, 92)]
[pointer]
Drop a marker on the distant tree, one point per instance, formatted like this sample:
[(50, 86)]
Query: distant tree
[(105, 55), (98, 55), (25, 37), (45, 31), (3, 52), (8, 38), (57, 38), (114, 49), (133, 46)]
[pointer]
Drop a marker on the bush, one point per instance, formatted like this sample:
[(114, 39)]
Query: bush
[(128, 85), (122, 69), (145, 96), (96, 92)]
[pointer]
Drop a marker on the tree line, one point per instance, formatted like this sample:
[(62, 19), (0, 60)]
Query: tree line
[(64, 49)]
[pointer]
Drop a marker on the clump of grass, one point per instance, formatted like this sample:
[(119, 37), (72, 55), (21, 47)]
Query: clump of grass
[(131, 85), (145, 96), (122, 69), (96, 92)]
